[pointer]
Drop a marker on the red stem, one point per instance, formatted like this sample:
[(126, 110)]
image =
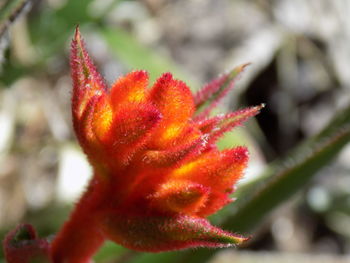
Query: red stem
[(79, 238)]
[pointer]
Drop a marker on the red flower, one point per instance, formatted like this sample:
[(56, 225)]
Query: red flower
[(157, 170)]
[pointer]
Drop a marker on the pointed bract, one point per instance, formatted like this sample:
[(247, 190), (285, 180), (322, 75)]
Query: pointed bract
[(87, 82), (160, 233), (212, 93), (219, 125)]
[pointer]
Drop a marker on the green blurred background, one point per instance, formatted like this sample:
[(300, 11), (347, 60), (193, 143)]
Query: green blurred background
[(300, 58)]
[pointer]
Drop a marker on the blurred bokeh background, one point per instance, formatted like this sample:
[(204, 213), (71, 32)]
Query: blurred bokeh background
[(300, 55)]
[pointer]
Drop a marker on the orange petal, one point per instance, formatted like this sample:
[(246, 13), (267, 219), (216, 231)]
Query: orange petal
[(174, 100), (131, 88), (233, 162), (216, 201), (217, 170), (199, 169), (222, 180), (102, 118), (132, 126), (180, 196)]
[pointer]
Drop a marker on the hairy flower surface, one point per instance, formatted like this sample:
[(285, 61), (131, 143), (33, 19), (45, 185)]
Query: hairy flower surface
[(157, 170)]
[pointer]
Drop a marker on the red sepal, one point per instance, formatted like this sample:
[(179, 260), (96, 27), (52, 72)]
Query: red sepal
[(87, 82), (163, 233), (22, 245)]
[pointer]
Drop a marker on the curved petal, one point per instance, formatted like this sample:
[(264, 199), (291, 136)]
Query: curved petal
[(131, 88), (180, 196), (174, 100)]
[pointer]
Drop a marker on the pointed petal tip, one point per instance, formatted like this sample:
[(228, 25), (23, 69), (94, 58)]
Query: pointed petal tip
[(235, 72), (77, 36), (261, 106), (243, 66), (256, 109), (166, 76), (228, 239), (140, 74), (78, 42), (77, 32)]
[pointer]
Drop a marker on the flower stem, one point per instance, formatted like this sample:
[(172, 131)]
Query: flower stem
[(80, 237)]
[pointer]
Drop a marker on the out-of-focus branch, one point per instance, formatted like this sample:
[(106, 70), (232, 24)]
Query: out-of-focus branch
[(10, 10)]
